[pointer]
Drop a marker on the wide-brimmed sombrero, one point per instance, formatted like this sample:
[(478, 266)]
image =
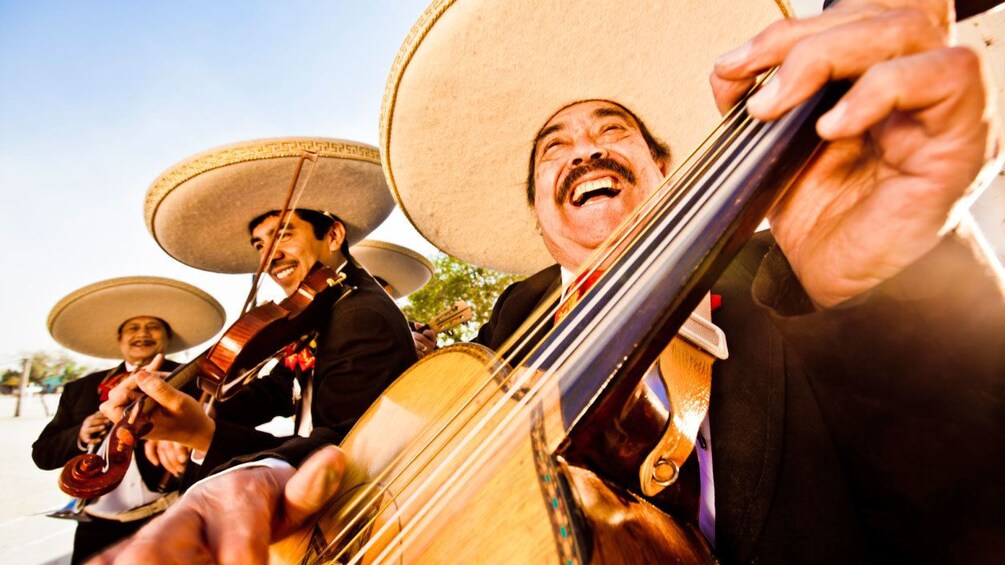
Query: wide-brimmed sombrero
[(86, 320), (198, 210), (475, 80), (403, 269)]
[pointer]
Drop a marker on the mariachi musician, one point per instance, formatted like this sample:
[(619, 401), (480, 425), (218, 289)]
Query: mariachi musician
[(358, 348), (865, 331), (132, 319), (843, 427)]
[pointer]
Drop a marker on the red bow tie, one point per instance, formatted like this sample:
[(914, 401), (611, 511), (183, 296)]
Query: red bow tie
[(583, 283), (106, 385)]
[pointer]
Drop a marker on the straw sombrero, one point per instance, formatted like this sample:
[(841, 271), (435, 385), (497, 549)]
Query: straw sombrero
[(475, 80), (198, 210), (86, 320), (404, 270)]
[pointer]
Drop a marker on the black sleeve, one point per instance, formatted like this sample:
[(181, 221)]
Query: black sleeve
[(294, 450), (486, 332), (964, 8), (260, 400), (57, 443), (968, 8), (910, 379), (229, 441), (365, 347)]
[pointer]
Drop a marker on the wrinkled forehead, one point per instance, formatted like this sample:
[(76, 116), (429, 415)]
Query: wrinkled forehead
[(590, 110)]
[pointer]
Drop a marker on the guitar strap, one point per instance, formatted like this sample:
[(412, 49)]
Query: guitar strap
[(685, 367)]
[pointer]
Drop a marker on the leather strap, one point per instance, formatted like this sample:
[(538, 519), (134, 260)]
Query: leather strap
[(686, 371)]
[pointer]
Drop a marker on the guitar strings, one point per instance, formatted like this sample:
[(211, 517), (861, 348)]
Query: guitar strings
[(650, 206), (601, 258), (462, 474)]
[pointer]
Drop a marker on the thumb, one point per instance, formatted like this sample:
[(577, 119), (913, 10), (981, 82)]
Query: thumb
[(164, 394), (313, 485)]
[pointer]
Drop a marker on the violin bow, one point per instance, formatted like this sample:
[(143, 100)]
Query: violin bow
[(285, 215)]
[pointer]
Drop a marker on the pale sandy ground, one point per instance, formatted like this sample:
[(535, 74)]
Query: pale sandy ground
[(27, 494)]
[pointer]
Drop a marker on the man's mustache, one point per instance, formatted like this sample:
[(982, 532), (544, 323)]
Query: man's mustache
[(280, 263), (602, 164)]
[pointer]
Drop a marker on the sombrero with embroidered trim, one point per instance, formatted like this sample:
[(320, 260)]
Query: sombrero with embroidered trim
[(475, 80), (87, 320), (404, 270), (198, 210)]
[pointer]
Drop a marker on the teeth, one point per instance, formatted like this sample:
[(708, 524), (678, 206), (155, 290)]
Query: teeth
[(284, 273), (590, 186)]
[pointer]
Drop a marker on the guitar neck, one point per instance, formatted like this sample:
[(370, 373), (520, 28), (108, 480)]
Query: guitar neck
[(450, 318)]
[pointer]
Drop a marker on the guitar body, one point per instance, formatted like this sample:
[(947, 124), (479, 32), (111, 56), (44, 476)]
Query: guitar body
[(442, 478)]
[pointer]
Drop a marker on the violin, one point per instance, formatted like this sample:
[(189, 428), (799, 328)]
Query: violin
[(428, 466), (257, 336)]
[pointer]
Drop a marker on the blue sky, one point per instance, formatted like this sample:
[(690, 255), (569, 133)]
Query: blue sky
[(97, 98)]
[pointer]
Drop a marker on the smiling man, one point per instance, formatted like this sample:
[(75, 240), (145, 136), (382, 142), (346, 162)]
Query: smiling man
[(838, 389), (133, 319), (858, 417), (358, 347), (594, 189)]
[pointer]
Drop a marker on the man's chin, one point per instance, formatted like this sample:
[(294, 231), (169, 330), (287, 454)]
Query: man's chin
[(144, 356)]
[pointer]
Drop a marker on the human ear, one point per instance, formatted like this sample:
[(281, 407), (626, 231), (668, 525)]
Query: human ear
[(664, 165), (336, 235)]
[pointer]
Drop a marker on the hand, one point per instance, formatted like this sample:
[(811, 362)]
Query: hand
[(178, 418), (425, 340), (168, 454), (93, 428), (232, 518), (905, 143)]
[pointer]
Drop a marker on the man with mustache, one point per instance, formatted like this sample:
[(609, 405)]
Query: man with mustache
[(358, 347), (838, 397), (135, 319)]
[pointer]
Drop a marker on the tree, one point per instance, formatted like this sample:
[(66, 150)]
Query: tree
[(456, 280), (47, 369)]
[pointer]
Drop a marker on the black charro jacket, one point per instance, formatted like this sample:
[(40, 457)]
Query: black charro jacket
[(362, 347), (869, 432)]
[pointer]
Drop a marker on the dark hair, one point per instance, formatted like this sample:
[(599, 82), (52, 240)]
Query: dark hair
[(657, 148), (320, 223), (167, 326)]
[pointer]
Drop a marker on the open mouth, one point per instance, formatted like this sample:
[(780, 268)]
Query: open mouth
[(280, 272), (142, 343), (605, 187)]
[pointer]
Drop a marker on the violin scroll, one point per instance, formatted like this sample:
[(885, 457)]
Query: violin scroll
[(90, 475)]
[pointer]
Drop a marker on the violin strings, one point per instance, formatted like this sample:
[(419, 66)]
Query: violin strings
[(624, 233)]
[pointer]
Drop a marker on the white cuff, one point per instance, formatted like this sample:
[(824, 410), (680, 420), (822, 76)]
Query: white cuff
[(271, 462)]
